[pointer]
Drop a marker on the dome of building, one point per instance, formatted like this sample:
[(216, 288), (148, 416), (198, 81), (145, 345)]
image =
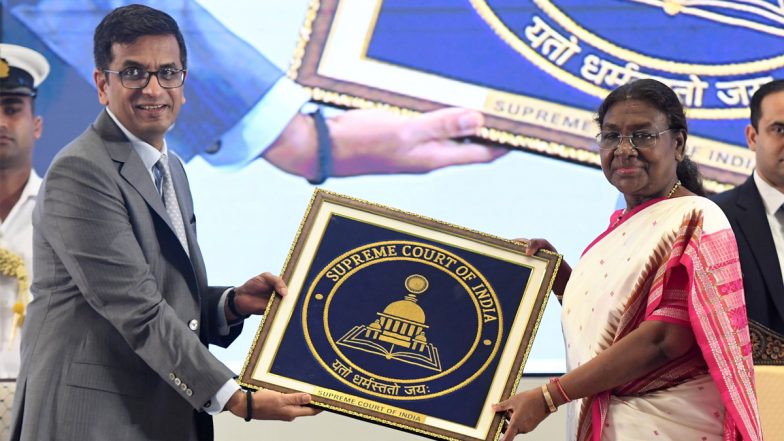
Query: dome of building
[(406, 310)]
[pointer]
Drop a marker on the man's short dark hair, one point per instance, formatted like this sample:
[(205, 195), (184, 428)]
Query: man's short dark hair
[(756, 100), (126, 24)]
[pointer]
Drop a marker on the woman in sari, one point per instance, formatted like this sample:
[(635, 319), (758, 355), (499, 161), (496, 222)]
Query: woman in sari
[(654, 319)]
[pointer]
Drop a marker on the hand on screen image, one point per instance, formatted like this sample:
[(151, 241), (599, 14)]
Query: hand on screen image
[(372, 141), (258, 115)]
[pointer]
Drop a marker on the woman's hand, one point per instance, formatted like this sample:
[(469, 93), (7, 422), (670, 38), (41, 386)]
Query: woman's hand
[(564, 271), (536, 244), (524, 410)]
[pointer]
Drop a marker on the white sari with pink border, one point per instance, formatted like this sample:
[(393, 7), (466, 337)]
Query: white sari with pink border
[(680, 248)]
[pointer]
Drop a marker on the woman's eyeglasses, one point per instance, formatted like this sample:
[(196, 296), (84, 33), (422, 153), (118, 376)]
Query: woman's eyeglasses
[(640, 139)]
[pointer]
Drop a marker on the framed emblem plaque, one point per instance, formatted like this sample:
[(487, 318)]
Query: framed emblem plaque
[(401, 320)]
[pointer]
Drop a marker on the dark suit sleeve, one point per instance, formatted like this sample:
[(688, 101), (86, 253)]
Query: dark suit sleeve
[(211, 309), (87, 222)]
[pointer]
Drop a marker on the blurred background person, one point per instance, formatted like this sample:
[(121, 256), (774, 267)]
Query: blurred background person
[(654, 321), (21, 72), (755, 210)]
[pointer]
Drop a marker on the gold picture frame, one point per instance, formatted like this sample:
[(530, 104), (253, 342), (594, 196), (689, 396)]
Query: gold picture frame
[(401, 320)]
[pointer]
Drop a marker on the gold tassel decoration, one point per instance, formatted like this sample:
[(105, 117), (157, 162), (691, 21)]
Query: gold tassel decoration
[(12, 265)]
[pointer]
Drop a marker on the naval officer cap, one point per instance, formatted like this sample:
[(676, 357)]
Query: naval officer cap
[(21, 70)]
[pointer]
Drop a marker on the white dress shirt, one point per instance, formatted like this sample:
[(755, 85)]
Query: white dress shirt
[(150, 156), (16, 235), (773, 200), (261, 126)]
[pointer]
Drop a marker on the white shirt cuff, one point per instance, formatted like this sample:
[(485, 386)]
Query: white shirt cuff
[(261, 126), (219, 400)]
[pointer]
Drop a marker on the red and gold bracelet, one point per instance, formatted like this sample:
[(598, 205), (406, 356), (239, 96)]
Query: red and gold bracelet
[(557, 382)]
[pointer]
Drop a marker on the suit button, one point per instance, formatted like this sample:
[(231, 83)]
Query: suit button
[(193, 324), (183, 386), (189, 392), (177, 381), (172, 376)]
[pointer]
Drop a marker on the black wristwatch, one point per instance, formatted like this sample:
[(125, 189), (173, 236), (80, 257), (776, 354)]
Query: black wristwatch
[(232, 306)]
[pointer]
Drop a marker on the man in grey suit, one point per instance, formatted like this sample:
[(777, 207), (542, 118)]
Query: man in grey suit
[(115, 344), (755, 210)]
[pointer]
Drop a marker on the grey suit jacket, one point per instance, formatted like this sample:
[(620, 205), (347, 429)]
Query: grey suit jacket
[(759, 262), (115, 342)]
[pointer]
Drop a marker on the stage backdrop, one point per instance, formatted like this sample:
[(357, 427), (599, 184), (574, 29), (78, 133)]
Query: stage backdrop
[(249, 214)]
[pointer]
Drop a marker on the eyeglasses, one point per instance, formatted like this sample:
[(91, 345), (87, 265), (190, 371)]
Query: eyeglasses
[(639, 140), (138, 78)]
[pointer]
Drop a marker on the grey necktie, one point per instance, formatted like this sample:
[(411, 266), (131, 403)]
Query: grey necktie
[(163, 181)]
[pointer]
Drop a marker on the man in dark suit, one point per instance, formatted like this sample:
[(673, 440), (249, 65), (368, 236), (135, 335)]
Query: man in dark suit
[(115, 344), (755, 210)]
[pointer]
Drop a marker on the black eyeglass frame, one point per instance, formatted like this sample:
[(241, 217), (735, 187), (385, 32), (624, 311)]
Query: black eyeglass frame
[(149, 74)]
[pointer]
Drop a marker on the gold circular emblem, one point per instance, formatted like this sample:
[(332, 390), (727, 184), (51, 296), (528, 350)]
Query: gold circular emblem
[(416, 284), (418, 364), (5, 70)]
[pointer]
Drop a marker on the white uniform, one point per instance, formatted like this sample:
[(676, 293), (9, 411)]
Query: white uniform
[(16, 235)]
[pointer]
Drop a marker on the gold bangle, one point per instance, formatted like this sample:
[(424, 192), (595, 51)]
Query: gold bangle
[(550, 405)]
